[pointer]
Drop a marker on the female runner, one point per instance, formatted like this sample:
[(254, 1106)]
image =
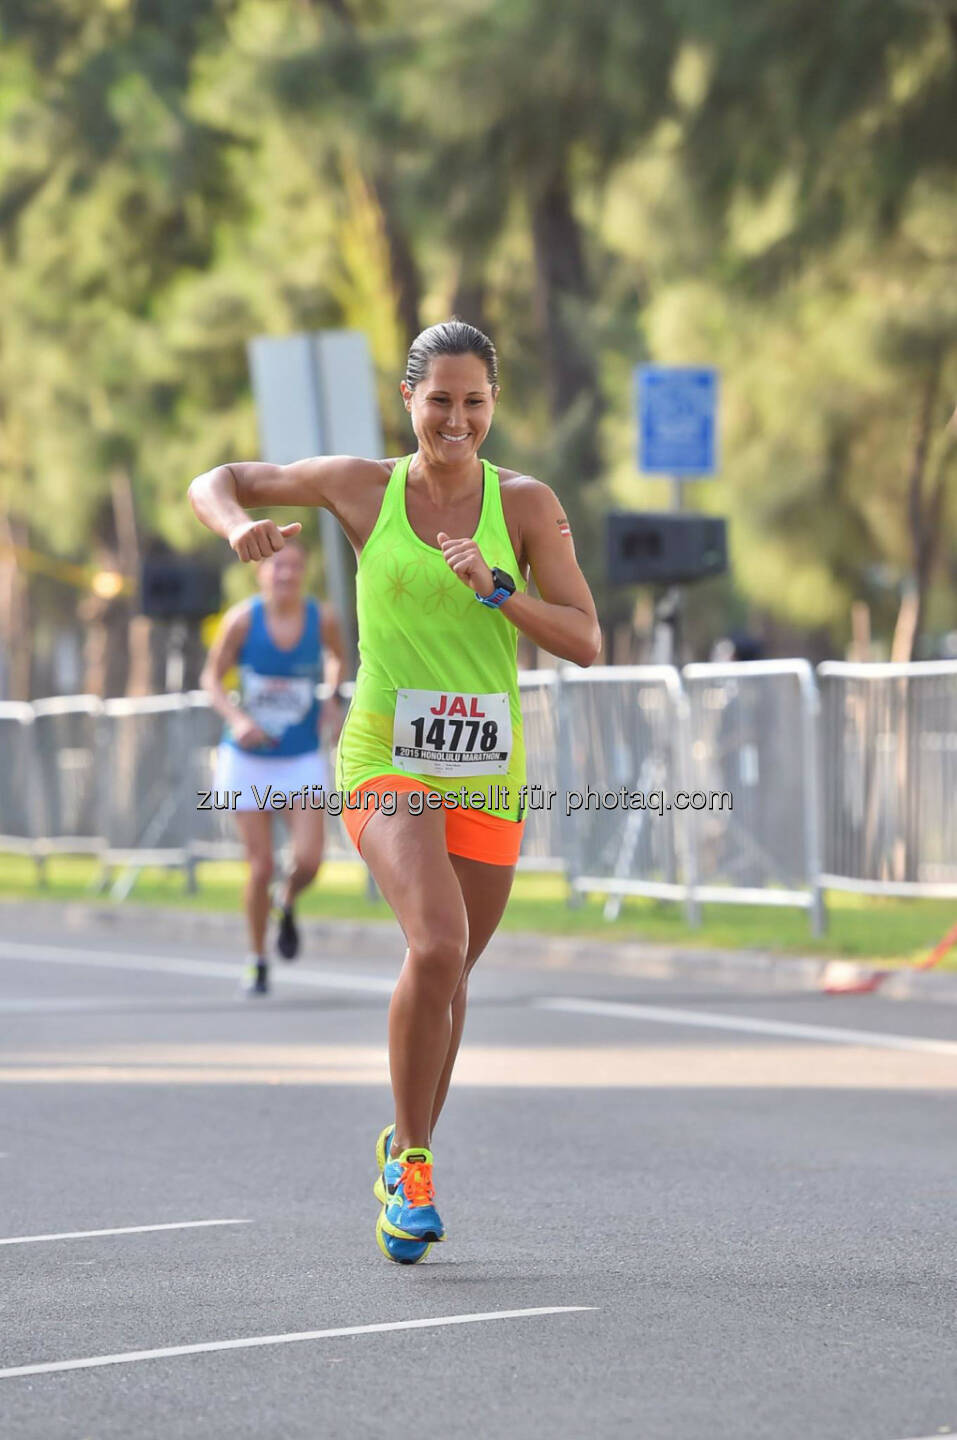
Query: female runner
[(281, 641), (445, 543)]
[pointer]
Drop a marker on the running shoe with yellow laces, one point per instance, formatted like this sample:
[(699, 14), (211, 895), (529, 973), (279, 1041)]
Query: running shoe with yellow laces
[(401, 1252), (409, 1211)]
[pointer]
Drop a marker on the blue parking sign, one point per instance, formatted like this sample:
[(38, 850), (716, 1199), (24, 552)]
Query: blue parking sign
[(677, 419)]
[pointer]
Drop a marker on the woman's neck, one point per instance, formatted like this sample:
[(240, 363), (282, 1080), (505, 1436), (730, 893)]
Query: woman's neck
[(284, 609), (446, 483)]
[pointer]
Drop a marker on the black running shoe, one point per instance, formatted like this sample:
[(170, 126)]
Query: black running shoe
[(256, 978), (287, 941)]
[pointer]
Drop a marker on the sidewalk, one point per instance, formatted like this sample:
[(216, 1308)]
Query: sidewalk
[(367, 940)]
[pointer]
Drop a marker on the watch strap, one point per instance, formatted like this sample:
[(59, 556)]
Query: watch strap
[(503, 589)]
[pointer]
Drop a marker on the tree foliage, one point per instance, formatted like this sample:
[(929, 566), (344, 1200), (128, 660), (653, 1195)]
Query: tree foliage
[(767, 188)]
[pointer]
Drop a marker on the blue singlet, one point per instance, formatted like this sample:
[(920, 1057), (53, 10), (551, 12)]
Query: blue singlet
[(279, 686)]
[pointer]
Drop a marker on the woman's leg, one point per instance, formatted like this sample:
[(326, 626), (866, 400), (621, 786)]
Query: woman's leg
[(485, 890), (306, 834), (255, 830), (412, 868)]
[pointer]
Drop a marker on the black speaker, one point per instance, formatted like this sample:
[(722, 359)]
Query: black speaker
[(175, 587), (669, 549)]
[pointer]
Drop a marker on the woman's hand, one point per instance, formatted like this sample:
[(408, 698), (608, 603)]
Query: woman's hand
[(333, 719), (258, 539), (464, 558), (249, 735)]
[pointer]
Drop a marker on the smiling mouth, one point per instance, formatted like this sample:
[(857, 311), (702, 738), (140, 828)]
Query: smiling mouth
[(454, 439)]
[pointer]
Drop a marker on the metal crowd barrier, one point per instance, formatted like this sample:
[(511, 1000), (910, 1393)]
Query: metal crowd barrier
[(859, 797), (889, 745), (623, 732), (541, 842), (754, 735), (145, 804), (65, 730), (18, 815)]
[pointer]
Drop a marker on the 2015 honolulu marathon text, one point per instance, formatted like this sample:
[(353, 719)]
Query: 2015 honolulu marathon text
[(497, 797)]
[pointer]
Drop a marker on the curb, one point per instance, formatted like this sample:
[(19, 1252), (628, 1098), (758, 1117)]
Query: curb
[(372, 939)]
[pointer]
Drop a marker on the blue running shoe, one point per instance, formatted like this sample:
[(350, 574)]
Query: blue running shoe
[(401, 1252), (409, 1212)]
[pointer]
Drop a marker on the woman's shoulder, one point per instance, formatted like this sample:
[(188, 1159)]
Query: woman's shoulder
[(516, 478), (237, 618), (522, 492), (378, 473)]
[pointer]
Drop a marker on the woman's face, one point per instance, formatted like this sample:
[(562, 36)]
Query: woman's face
[(281, 576), (451, 408)]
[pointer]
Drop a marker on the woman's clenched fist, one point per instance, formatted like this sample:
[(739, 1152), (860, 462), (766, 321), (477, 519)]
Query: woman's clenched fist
[(466, 560), (258, 539)]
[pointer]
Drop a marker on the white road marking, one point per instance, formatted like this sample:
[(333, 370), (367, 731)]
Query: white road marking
[(383, 985), (121, 1230), (129, 1357), (43, 1005), (705, 1020), (208, 969)]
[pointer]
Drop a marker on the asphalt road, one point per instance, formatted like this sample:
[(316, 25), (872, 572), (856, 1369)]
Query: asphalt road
[(708, 1214)]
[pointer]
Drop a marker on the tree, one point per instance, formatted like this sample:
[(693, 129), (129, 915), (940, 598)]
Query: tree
[(817, 155)]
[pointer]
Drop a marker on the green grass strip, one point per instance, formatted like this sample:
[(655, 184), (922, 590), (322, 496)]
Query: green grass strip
[(890, 930)]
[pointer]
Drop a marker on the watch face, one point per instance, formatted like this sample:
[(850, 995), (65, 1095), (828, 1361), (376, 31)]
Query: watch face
[(503, 581)]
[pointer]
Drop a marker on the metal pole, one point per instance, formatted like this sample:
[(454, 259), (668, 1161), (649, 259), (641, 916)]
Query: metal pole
[(339, 582), (811, 722), (315, 395), (569, 855), (667, 634), (176, 657)]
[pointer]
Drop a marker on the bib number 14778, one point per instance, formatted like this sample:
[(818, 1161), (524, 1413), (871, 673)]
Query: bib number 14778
[(443, 733)]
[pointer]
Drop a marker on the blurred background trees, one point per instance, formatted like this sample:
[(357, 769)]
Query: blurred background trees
[(770, 189)]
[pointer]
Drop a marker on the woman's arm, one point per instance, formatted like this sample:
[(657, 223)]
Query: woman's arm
[(333, 649), (564, 621), (223, 654), (334, 666), (222, 496)]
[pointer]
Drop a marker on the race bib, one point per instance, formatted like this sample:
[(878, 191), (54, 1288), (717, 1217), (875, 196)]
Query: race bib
[(276, 701), (440, 732)]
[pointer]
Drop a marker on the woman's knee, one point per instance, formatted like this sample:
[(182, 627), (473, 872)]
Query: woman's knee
[(306, 866), (260, 869), (439, 956)]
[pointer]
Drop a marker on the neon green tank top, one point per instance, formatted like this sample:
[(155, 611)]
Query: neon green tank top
[(437, 690)]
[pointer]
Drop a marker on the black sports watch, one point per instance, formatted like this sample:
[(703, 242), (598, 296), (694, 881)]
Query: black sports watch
[(502, 587)]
